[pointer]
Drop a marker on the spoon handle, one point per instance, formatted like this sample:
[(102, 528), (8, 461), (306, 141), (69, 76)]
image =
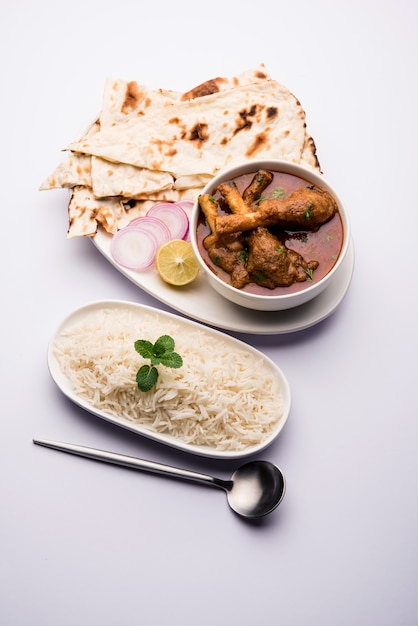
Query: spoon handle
[(132, 462)]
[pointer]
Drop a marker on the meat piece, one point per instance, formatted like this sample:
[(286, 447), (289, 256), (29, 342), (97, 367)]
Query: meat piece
[(232, 258), (227, 252), (261, 181), (233, 198), (270, 264), (210, 209), (305, 209)]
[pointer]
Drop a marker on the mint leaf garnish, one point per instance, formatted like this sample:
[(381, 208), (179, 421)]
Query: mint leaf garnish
[(163, 344), (172, 360), (161, 352), (145, 348), (146, 377)]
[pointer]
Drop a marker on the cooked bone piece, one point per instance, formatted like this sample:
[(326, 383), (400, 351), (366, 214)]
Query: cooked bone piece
[(261, 180), (210, 210), (226, 252), (233, 198), (305, 209), (271, 264)]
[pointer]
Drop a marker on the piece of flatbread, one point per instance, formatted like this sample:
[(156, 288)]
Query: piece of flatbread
[(308, 156), (151, 145), (124, 100), (204, 135), (172, 195), (191, 181), (111, 179), (85, 212), (74, 171)]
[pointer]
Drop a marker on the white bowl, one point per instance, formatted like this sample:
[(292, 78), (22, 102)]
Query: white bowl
[(183, 328), (269, 301)]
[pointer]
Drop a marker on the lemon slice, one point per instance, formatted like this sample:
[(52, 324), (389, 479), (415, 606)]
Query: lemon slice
[(176, 262)]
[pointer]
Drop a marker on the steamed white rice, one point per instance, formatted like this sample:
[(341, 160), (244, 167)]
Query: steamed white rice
[(223, 396)]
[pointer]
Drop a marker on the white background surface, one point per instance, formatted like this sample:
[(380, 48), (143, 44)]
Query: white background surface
[(87, 543)]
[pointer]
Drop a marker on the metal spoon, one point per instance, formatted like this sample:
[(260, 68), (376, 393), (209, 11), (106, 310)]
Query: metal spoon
[(253, 490)]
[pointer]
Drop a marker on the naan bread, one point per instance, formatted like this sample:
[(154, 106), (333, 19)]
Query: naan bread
[(191, 181), (111, 179), (152, 145), (85, 212), (308, 157), (222, 83), (124, 100), (204, 135), (173, 195), (75, 170)]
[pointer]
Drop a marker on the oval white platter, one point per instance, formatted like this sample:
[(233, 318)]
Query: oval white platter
[(64, 384), (202, 303)]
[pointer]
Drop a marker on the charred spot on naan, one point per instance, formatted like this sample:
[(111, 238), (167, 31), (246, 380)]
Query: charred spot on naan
[(247, 117), (205, 89), (222, 83), (272, 112), (133, 95), (260, 142), (199, 133)]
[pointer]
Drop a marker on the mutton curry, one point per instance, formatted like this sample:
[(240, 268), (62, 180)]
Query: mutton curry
[(269, 232)]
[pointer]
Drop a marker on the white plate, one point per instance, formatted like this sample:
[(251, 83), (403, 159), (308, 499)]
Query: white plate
[(64, 384), (200, 302)]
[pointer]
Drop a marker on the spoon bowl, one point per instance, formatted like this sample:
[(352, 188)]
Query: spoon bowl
[(257, 488), (254, 489)]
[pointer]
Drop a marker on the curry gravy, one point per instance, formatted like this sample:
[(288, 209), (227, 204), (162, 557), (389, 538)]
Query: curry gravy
[(324, 245)]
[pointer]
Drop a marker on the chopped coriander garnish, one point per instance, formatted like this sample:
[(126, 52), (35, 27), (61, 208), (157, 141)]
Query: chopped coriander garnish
[(279, 192), (308, 211), (309, 273), (259, 277), (160, 352)]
